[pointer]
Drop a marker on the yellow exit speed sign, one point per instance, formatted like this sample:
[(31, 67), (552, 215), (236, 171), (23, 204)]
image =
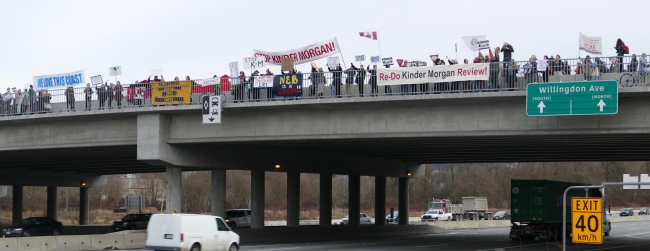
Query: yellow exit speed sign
[(586, 220)]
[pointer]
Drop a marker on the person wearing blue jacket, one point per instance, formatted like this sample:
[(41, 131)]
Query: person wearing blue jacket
[(349, 80)]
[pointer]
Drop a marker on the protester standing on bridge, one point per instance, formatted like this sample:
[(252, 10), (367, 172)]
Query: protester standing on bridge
[(507, 52), (373, 81), (109, 95), (269, 89), (32, 98), (255, 91), (101, 95), (621, 50), (361, 78), (349, 81), (494, 69), (634, 64), (46, 100), (542, 66), (239, 87), (18, 102), (7, 98), (118, 94), (69, 98), (88, 95), (588, 68), (337, 72), (531, 75)]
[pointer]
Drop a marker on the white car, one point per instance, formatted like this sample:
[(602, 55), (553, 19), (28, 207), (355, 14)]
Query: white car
[(435, 215), (238, 218), (190, 232), (364, 219)]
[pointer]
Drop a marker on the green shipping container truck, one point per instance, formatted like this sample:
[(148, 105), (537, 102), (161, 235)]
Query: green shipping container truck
[(536, 207)]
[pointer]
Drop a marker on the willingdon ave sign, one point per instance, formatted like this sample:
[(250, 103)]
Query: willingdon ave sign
[(572, 98)]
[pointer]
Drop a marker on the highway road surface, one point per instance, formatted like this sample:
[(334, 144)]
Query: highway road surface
[(624, 236)]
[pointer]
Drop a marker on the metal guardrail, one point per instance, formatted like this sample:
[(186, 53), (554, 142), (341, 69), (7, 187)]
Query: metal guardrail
[(333, 84)]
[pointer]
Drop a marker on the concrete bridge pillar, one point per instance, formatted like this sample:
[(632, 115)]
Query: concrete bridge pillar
[(293, 199), (218, 204), (83, 205), (354, 199), (380, 200), (174, 189), (403, 201), (325, 217), (257, 198), (51, 202), (17, 204)]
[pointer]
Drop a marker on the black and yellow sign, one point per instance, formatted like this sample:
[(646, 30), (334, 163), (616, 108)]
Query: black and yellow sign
[(586, 220), (164, 93)]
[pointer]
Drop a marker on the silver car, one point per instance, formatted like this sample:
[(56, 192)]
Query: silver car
[(364, 219)]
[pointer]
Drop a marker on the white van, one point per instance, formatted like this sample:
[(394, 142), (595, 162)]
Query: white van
[(190, 232)]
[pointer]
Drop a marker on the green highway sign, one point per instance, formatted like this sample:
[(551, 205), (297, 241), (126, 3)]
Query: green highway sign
[(572, 98)]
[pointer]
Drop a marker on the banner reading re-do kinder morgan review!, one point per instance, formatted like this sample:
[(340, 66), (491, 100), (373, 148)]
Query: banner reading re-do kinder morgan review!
[(433, 74), (60, 81), (302, 55)]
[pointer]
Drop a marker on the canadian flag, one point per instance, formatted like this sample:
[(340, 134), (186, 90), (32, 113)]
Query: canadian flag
[(369, 34)]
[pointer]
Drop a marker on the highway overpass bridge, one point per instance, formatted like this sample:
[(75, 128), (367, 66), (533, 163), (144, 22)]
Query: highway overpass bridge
[(389, 136)]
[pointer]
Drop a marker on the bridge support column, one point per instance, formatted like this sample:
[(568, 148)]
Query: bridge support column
[(83, 205), (218, 203), (354, 199), (51, 202), (403, 201), (325, 203), (380, 200), (174, 189), (293, 199), (17, 204), (257, 199)]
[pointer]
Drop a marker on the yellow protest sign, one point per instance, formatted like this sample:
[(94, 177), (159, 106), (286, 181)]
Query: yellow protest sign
[(586, 220), (164, 93)]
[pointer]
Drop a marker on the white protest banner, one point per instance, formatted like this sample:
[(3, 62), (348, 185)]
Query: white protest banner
[(360, 58), (418, 63), (374, 59), (433, 74), (96, 80), (207, 81), (542, 64), (302, 55), (60, 81), (263, 81), (475, 43), (234, 72), (387, 61), (591, 44), (156, 72), (333, 62), (115, 70), (253, 62)]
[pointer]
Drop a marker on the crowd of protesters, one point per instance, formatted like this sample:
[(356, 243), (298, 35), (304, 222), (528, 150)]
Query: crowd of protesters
[(505, 72)]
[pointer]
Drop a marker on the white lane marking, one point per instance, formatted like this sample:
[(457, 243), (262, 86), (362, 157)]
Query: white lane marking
[(504, 248), (432, 246), (618, 247), (277, 249), (628, 235)]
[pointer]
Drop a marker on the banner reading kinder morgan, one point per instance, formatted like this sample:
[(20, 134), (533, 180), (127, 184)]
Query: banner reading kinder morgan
[(302, 55), (60, 81), (433, 74)]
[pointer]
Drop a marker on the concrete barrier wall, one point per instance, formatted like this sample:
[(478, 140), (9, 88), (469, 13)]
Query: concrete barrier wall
[(37, 243), (8, 244), (280, 234), (133, 241), (74, 242), (86, 230), (108, 240), (629, 218)]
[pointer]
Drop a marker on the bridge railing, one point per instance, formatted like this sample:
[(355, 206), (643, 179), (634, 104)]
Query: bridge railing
[(503, 77)]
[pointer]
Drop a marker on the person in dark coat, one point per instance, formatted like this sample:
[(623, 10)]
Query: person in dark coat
[(88, 95), (349, 80), (337, 72), (110, 95), (620, 52), (373, 81), (361, 78), (118, 94), (507, 53), (252, 90), (101, 95), (69, 98)]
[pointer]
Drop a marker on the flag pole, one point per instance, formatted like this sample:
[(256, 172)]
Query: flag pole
[(456, 48)]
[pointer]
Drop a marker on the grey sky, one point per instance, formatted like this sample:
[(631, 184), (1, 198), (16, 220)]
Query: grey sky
[(200, 38)]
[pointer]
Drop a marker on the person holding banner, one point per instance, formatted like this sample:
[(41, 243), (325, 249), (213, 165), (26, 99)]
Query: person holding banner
[(88, 95), (337, 72), (69, 98), (118, 94), (361, 78)]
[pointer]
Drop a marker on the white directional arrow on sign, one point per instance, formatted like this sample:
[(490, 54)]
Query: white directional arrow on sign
[(541, 106), (601, 104)]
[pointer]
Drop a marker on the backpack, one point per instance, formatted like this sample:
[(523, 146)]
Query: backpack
[(626, 49)]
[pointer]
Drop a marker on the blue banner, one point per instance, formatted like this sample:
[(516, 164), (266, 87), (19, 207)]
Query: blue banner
[(60, 81)]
